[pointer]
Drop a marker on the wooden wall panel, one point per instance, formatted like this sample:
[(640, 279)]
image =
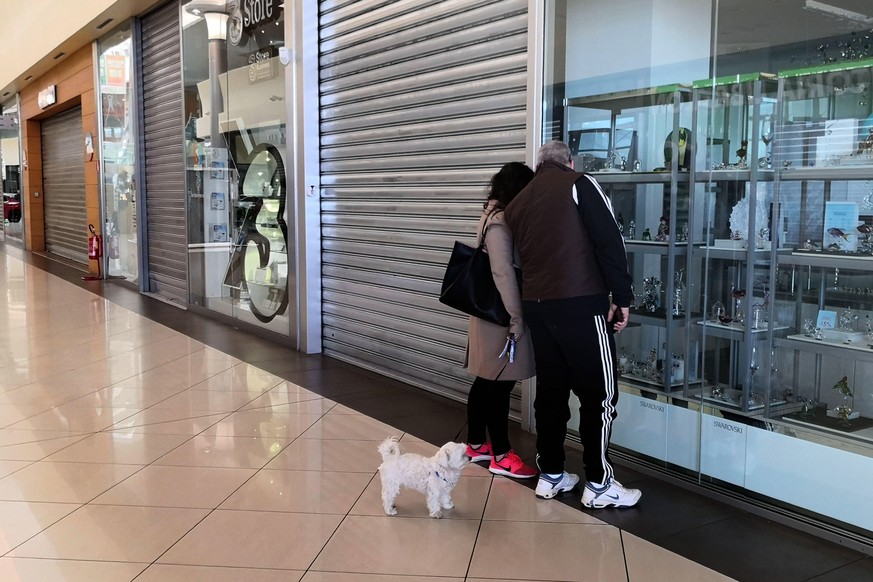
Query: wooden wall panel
[(74, 78)]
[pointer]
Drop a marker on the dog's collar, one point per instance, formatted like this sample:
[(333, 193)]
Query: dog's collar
[(437, 473)]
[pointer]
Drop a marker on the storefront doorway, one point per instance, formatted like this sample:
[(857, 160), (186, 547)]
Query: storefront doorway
[(66, 221), (235, 164), (10, 173)]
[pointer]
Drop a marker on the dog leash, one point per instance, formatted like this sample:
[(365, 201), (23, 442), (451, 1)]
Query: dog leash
[(437, 473)]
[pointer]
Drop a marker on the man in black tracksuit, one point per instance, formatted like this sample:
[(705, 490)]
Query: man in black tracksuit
[(576, 291)]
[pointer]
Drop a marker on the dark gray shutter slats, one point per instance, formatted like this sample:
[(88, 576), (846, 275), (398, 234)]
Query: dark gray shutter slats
[(164, 148), (66, 219), (421, 102)]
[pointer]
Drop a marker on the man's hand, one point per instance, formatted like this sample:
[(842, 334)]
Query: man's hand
[(618, 316)]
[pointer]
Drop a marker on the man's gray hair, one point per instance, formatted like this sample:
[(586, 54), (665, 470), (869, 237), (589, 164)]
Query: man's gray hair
[(554, 151)]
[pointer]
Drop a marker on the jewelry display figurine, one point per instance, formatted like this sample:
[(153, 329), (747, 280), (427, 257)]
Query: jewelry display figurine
[(663, 230), (865, 245), (844, 410), (651, 294), (766, 162), (632, 229), (808, 327), (868, 331), (679, 293), (718, 311), (741, 154), (739, 295)]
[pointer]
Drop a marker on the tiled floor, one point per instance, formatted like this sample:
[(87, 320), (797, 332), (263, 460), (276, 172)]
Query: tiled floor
[(138, 441)]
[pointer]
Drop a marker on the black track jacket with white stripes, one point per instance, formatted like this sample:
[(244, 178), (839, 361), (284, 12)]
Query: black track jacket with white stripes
[(569, 243)]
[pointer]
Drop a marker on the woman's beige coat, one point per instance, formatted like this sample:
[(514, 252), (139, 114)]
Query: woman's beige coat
[(486, 340)]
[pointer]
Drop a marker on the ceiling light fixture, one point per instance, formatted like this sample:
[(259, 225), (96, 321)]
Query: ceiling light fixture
[(837, 12)]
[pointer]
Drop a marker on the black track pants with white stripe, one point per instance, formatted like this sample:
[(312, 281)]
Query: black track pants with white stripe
[(574, 351)]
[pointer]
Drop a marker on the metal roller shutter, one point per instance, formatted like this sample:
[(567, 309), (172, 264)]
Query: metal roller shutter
[(164, 146), (421, 102), (66, 220)]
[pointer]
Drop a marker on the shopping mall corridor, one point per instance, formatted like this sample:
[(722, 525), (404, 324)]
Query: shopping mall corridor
[(142, 442)]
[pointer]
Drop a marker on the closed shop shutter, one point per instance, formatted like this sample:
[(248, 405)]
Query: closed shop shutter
[(164, 146), (421, 102), (66, 220)]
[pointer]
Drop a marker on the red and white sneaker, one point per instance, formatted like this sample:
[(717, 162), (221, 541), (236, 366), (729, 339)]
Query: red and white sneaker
[(481, 453), (512, 466)]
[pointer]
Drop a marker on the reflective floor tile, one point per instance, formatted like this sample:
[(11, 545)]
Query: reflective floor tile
[(263, 422), (169, 573), (300, 492), (9, 467), (647, 562), (400, 545), (510, 501), (20, 520), (343, 409), (169, 421), (62, 482), (254, 539), (161, 376), (350, 426), (74, 418), (348, 577), (117, 397), (12, 413), (210, 400), (33, 445), (320, 455), (285, 398), (548, 551), (468, 497), (119, 447), (157, 486), (220, 451), (312, 406), (25, 569), (112, 533), (241, 378), (48, 394)]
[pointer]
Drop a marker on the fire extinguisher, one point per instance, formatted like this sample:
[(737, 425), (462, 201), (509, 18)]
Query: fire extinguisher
[(95, 253)]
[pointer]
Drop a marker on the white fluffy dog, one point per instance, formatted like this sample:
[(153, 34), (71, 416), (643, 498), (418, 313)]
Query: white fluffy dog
[(435, 476)]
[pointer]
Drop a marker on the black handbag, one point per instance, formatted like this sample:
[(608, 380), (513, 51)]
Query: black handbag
[(468, 285)]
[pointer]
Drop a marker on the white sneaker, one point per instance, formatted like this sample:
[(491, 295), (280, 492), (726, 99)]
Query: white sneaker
[(548, 488), (596, 496)]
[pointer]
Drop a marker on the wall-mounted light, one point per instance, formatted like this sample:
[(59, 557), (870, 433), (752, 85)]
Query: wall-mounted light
[(214, 12)]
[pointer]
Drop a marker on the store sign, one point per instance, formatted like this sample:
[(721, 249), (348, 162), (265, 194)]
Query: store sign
[(262, 65), (247, 15), (115, 69), (47, 96)]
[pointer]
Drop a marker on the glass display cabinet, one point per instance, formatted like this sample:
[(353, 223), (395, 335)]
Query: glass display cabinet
[(638, 146), (825, 277), (747, 209), (734, 185)]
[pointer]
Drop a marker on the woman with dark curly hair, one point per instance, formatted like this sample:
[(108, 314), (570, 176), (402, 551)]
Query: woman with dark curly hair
[(488, 401)]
